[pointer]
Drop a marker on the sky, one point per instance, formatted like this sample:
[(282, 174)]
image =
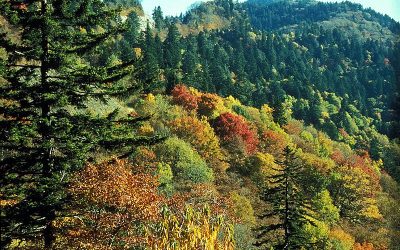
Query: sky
[(175, 7)]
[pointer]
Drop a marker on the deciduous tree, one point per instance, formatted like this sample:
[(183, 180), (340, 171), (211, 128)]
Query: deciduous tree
[(231, 127)]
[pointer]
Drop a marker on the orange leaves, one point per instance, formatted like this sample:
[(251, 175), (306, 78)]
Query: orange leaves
[(231, 127), (208, 103), (113, 184), (364, 246), (273, 142), (21, 6), (341, 239), (204, 103), (294, 127), (363, 163), (182, 96), (109, 199)]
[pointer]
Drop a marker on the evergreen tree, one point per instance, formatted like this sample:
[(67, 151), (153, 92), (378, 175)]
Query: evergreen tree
[(130, 39), (289, 205), (150, 57), (132, 35), (46, 134), (172, 56), (158, 18), (172, 48)]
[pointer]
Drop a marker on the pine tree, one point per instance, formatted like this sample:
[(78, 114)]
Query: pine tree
[(149, 60), (289, 205), (133, 33), (172, 47), (172, 56), (158, 18), (46, 134)]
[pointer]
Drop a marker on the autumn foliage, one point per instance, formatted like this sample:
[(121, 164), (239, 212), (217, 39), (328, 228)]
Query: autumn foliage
[(231, 127), (362, 163), (144, 203), (208, 103), (109, 200), (193, 230), (201, 136), (182, 96), (273, 142), (364, 246)]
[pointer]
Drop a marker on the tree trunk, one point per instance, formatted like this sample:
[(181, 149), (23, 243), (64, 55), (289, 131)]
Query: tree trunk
[(48, 233)]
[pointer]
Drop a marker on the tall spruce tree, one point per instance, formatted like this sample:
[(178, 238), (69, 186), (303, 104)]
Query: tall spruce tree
[(288, 205), (46, 78), (172, 57), (158, 18)]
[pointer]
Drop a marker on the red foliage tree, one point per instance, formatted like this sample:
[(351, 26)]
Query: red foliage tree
[(231, 127), (182, 96)]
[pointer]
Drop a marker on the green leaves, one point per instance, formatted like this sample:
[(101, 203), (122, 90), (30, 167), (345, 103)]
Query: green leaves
[(186, 163)]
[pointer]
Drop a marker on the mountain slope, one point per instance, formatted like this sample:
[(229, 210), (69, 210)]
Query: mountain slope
[(256, 125), (338, 48)]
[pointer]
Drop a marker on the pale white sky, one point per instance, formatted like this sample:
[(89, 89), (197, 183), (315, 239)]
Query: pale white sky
[(175, 7)]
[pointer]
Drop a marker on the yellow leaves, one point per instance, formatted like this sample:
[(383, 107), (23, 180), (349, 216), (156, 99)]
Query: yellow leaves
[(194, 229), (325, 115), (323, 165), (242, 208), (315, 232), (266, 164), (82, 30), (371, 209), (18, 244), (8, 202), (195, 92), (138, 53), (252, 35), (202, 137), (146, 130), (267, 109), (377, 166), (150, 98), (341, 239), (231, 101)]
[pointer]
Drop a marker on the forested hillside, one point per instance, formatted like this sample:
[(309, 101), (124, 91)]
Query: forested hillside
[(258, 125)]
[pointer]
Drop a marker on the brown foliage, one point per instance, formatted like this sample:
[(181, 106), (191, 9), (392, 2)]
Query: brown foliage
[(208, 103), (109, 200), (363, 246), (273, 142)]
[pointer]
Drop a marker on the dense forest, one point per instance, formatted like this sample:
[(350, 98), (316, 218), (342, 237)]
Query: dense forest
[(267, 124)]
